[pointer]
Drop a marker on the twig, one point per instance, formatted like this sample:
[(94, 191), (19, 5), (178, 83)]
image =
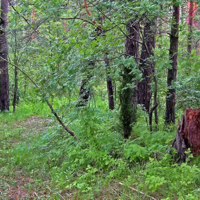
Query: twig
[(134, 140), (61, 196), (36, 195), (21, 16), (21, 70), (116, 190), (60, 121), (135, 190), (70, 18)]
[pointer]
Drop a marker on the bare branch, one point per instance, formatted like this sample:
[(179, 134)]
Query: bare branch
[(142, 193), (84, 20)]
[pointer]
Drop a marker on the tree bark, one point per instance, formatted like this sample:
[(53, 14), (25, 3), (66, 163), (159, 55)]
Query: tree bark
[(4, 77), (15, 92), (84, 93), (111, 101), (190, 9), (188, 134), (128, 96), (172, 71), (147, 65)]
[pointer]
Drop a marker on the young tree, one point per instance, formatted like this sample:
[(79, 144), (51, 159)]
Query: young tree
[(4, 77), (111, 102), (172, 71)]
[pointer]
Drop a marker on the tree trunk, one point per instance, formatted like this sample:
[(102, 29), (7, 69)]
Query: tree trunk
[(111, 101), (197, 45), (4, 78), (155, 98), (188, 134), (84, 93), (190, 19), (15, 92), (171, 77), (128, 96), (147, 65)]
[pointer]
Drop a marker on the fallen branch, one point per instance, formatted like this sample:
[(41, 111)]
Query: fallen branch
[(36, 195), (60, 121), (61, 196), (120, 193), (135, 190)]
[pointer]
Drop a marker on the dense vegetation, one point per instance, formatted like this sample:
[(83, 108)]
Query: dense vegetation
[(86, 61)]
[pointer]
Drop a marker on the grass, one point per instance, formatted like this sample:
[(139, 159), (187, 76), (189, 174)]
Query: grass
[(40, 160), (15, 130)]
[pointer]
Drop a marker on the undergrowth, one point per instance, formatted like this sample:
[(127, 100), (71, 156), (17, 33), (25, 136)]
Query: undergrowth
[(92, 166)]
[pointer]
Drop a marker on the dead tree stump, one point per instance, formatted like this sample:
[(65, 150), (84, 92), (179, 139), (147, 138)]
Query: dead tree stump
[(188, 134)]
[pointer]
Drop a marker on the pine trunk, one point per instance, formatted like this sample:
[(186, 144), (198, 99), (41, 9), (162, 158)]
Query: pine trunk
[(146, 65), (190, 8), (172, 71), (15, 93), (128, 96), (4, 78)]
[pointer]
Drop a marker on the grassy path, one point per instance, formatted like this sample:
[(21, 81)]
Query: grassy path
[(15, 183)]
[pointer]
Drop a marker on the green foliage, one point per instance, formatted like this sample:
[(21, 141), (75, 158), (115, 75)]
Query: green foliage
[(188, 87), (163, 174), (98, 157), (58, 59)]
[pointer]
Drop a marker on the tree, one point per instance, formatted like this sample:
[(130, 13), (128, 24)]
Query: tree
[(128, 96), (84, 92), (4, 77), (172, 70), (111, 102), (147, 64), (191, 9)]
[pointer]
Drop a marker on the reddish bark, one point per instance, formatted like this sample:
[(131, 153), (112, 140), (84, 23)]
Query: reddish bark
[(191, 10), (86, 7), (188, 133), (33, 18)]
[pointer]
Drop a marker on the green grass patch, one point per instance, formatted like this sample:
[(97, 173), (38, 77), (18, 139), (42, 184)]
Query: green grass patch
[(91, 167)]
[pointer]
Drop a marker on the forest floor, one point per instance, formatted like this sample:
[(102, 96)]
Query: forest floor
[(14, 182), (17, 181), (38, 160)]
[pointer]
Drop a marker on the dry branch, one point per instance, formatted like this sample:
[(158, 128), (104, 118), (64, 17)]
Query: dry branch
[(135, 190)]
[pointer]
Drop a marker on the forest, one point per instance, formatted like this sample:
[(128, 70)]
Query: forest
[(100, 99)]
